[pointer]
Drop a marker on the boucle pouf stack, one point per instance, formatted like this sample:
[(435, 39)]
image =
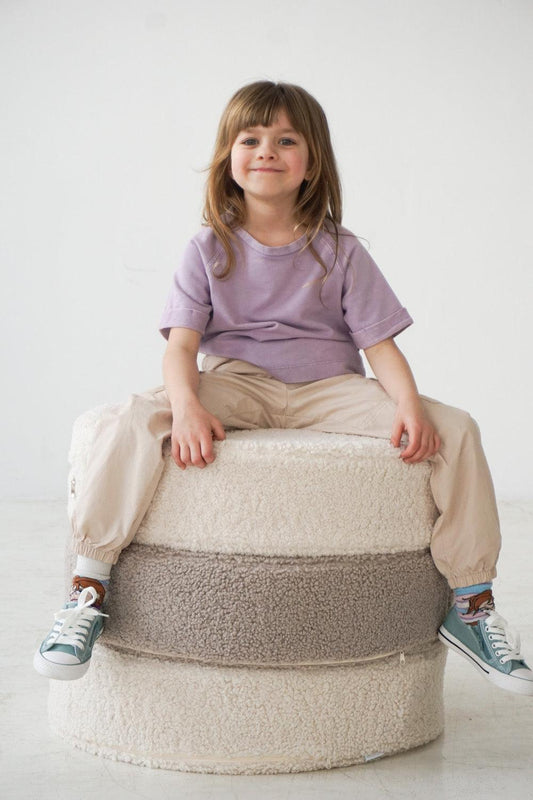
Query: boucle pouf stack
[(276, 612)]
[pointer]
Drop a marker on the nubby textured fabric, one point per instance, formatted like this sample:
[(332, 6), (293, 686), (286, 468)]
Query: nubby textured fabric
[(276, 612)]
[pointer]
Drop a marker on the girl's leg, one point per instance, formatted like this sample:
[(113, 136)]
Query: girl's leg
[(108, 499), (466, 537), (124, 458), (111, 495), (123, 466)]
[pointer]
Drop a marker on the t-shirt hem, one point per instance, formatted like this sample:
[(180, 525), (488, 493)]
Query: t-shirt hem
[(183, 318), (301, 372), (391, 326)]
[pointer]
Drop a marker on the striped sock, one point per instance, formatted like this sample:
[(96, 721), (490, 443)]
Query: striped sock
[(81, 582), (474, 602)]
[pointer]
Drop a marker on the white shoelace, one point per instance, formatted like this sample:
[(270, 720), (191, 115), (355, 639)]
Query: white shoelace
[(505, 639), (73, 624)]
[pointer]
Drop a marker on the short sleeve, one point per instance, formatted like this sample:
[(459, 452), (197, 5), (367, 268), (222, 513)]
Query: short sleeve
[(189, 300), (371, 309)]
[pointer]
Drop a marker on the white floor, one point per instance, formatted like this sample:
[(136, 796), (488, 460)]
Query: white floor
[(486, 749)]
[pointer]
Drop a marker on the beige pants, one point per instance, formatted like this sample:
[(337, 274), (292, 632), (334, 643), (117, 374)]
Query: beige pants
[(125, 457)]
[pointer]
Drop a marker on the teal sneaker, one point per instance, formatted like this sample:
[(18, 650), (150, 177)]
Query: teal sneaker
[(492, 646), (66, 652)]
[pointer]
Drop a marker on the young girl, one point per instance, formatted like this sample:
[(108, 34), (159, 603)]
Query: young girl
[(281, 298)]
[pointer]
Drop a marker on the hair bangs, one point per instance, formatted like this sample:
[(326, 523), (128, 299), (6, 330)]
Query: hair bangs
[(253, 114), (262, 106)]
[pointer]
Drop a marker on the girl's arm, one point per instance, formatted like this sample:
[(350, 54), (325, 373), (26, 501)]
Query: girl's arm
[(193, 427), (180, 370), (393, 372)]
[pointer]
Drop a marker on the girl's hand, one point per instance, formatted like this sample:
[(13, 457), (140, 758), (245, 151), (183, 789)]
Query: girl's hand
[(424, 440), (193, 431)]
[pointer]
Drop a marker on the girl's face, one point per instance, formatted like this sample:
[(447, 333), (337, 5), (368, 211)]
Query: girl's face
[(270, 163)]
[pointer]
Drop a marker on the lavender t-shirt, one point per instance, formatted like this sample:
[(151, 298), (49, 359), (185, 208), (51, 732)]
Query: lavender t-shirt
[(268, 310)]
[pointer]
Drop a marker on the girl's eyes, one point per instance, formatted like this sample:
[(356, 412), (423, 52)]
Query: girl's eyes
[(251, 141)]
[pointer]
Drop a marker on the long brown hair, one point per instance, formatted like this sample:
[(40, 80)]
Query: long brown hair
[(319, 203)]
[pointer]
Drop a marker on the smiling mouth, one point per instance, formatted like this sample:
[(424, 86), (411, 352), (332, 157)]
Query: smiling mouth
[(265, 169)]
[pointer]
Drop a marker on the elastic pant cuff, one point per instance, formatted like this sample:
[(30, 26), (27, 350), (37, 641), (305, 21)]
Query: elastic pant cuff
[(87, 550), (471, 578)]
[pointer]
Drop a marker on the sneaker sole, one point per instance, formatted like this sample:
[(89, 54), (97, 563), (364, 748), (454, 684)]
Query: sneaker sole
[(503, 681), (59, 672)]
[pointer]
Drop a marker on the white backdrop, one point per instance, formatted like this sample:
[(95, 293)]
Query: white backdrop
[(109, 113)]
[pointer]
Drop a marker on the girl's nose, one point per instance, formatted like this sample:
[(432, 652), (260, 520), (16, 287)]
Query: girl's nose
[(266, 151)]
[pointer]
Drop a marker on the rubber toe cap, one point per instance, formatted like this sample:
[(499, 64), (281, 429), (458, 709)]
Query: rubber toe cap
[(58, 657)]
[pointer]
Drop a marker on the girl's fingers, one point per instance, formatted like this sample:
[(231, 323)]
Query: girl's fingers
[(428, 447), (207, 450), (201, 452), (419, 453), (218, 429), (178, 454), (196, 455), (413, 447), (396, 434)]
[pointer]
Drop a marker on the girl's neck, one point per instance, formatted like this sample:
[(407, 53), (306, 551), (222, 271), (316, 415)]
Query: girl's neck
[(271, 227)]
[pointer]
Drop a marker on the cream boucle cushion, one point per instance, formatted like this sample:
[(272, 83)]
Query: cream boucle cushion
[(163, 713), (288, 588)]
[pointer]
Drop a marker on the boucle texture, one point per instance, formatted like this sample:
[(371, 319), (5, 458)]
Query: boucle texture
[(276, 612), (161, 713), (296, 486), (286, 492), (273, 611)]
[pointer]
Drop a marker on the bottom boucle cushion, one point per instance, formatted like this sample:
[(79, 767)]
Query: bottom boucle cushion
[(163, 713)]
